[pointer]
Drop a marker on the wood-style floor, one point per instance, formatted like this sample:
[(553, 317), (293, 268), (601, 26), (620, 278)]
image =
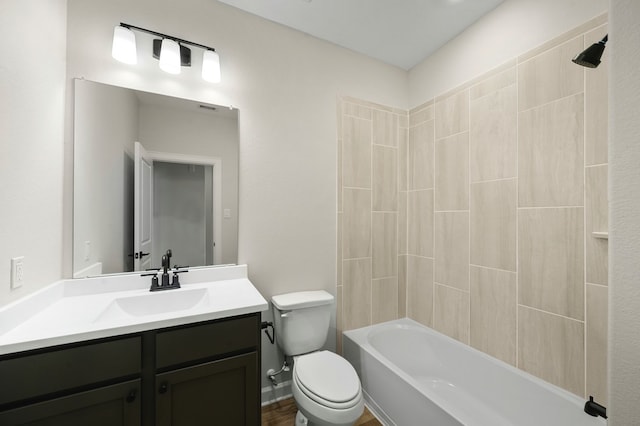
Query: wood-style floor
[(283, 413)]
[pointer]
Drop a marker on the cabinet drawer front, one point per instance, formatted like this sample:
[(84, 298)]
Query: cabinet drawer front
[(30, 376), (185, 345)]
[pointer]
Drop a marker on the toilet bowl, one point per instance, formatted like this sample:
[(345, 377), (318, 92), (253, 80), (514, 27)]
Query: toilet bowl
[(326, 389)]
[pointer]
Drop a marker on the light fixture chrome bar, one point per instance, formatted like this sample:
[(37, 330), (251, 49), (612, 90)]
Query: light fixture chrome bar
[(176, 39)]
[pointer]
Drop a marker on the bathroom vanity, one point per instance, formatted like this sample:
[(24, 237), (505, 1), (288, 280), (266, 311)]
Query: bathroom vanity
[(152, 361)]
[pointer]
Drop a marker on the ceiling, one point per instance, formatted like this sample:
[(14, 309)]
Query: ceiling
[(398, 32)]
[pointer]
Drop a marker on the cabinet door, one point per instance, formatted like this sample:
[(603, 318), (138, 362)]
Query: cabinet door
[(222, 392), (106, 406)]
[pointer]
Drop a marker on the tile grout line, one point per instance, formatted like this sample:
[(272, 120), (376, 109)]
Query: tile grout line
[(371, 175), (562, 98), (551, 313), (517, 115), (584, 221), (469, 206), (432, 320)]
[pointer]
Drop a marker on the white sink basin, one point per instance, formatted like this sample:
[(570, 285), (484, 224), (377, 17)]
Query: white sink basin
[(167, 301)]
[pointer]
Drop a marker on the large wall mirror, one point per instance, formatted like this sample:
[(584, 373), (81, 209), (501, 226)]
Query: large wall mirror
[(152, 173)]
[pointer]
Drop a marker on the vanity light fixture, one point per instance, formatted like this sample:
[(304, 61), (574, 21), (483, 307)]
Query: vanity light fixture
[(171, 52)]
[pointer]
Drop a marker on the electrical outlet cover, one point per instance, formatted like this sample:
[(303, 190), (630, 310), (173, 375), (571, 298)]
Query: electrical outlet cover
[(17, 272)]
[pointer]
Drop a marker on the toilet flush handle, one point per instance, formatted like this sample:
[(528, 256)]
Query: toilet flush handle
[(285, 314)]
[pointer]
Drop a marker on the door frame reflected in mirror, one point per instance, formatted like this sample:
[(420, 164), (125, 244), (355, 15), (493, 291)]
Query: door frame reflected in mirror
[(216, 199)]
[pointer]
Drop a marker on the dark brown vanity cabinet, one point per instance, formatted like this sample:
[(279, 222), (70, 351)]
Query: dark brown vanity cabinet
[(208, 375), (205, 373)]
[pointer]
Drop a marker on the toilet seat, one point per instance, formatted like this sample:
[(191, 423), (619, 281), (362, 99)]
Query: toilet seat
[(328, 379)]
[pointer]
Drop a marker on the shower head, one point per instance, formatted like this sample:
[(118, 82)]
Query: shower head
[(590, 57)]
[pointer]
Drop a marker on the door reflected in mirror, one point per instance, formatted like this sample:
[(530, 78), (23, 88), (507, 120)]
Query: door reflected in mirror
[(152, 173)]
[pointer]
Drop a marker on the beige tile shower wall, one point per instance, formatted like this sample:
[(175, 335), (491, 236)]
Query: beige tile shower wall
[(506, 182), (372, 214)]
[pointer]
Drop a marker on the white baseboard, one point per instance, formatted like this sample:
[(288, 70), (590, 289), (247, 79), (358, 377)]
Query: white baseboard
[(271, 394)]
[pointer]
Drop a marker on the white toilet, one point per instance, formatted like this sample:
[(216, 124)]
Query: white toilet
[(325, 386)]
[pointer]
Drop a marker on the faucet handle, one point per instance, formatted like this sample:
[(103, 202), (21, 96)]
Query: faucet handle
[(154, 280), (175, 281)]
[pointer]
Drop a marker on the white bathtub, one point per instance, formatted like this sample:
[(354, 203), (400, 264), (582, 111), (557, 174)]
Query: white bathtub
[(413, 376)]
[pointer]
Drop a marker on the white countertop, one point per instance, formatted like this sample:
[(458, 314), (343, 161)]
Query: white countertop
[(70, 311)]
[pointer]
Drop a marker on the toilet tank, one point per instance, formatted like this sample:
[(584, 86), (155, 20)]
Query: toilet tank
[(301, 320)]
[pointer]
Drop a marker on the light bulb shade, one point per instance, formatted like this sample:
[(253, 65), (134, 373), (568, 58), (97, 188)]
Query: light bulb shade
[(211, 66), (170, 56), (123, 48)]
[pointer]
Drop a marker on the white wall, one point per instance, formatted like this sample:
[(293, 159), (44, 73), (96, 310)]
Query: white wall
[(514, 27), (32, 85), (105, 129), (624, 213)]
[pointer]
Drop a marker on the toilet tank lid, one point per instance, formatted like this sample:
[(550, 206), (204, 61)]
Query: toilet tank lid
[(301, 299)]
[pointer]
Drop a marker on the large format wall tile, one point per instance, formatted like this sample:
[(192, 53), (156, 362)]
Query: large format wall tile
[(356, 293), (356, 155), (493, 135), (597, 325), (385, 175), (421, 114), (420, 162), (452, 249), (550, 75), (493, 224), (420, 223), (402, 286), (551, 260), (356, 223), (596, 108), (493, 313), (420, 289), (385, 250), (494, 82), (452, 173), (551, 154), (385, 128), (402, 222), (403, 159), (452, 114), (339, 255), (384, 300), (339, 321), (596, 213), (339, 175), (350, 109), (451, 312), (552, 348)]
